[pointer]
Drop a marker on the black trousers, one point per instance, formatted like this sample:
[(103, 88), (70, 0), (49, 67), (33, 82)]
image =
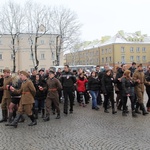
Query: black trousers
[(79, 97), (99, 98), (124, 101), (148, 94), (68, 94), (107, 97)]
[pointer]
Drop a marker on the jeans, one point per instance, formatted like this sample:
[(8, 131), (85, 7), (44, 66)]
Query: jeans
[(39, 102), (94, 95)]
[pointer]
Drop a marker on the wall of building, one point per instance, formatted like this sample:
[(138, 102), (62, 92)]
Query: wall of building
[(46, 52)]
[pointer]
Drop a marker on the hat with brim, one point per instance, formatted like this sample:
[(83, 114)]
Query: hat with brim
[(41, 70), (24, 73), (51, 72)]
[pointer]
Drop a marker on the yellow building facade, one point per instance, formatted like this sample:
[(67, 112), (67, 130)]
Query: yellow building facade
[(121, 48)]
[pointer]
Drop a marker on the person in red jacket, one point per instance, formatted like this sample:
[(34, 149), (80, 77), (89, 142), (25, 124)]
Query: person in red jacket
[(81, 89)]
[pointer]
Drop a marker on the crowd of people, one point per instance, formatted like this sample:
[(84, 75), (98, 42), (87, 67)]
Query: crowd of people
[(42, 92)]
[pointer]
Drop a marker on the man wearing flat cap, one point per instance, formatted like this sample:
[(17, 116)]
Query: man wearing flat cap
[(27, 92), (54, 86), (6, 94), (139, 79)]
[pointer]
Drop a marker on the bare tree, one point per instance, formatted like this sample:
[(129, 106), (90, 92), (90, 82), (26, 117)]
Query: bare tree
[(65, 23), (12, 20), (37, 26)]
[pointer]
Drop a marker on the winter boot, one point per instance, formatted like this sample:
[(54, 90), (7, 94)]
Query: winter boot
[(22, 119), (34, 122), (58, 116), (144, 112), (16, 120), (9, 119), (47, 118), (113, 111), (124, 113), (136, 109), (134, 114), (4, 114)]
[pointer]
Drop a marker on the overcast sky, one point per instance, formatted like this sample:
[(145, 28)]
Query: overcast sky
[(106, 17)]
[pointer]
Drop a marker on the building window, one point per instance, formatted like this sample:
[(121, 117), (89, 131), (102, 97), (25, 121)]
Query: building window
[(137, 58), (144, 58), (132, 58), (102, 51), (42, 56), (110, 59), (106, 59), (42, 41), (102, 60), (131, 49), (105, 51), (1, 57), (143, 49), (123, 59), (122, 50), (137, 49)]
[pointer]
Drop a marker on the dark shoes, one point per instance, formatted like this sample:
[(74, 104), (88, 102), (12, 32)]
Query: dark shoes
[(58, 116), (134, 114), (32, 123), (96, 108), (47, 118), (114, 112), (106, 111)]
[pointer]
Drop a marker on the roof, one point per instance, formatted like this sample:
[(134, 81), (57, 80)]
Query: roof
[(122, 38)]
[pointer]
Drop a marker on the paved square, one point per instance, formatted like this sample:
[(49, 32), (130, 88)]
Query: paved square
[(85, 129)]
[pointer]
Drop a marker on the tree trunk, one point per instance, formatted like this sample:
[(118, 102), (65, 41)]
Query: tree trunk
[(14, 56), (36, 57)]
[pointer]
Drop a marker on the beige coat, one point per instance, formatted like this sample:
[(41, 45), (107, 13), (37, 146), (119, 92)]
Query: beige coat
[(139, 87), (6, 92), (27, 92)]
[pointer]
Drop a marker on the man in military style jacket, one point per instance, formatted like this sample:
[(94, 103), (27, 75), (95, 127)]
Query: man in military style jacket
[(54, 86), (6, 95), (27, 92)]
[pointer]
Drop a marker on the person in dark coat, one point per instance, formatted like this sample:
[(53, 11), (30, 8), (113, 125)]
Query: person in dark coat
[(147, 77), (94, 87), (108, 90), (40, 96), (118, 78), (1, 84), (128, 91), (68, 80)]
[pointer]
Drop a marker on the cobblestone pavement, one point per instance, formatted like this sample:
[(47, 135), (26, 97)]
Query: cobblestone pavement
[(85, 129)]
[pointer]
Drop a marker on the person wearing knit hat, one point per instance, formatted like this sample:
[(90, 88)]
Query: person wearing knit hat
[(27, 92)]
